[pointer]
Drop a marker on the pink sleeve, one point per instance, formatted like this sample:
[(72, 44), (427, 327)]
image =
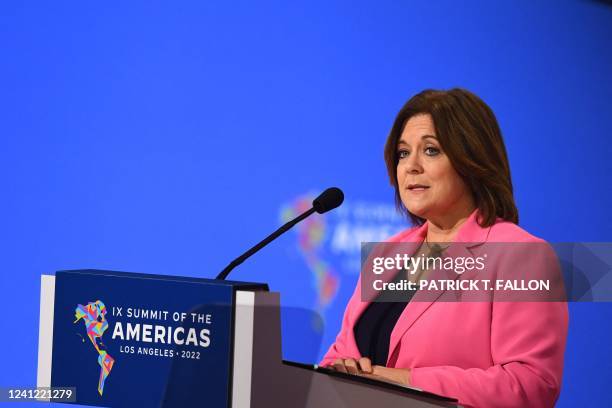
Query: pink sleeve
[(341, 348), (527, 349)]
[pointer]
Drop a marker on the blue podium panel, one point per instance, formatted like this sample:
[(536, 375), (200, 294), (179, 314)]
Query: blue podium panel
[(142, 340)]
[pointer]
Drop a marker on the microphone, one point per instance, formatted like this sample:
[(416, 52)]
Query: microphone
[(326, 201)]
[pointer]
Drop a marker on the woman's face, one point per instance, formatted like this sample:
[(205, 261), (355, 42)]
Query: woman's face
[(429, 186)]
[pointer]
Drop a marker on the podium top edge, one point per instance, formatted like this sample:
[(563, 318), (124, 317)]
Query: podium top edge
[(187, 279)]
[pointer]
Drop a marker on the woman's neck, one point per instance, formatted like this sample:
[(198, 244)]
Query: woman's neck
[(444, 229)]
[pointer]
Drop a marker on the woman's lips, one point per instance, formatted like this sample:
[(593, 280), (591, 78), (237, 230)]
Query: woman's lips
[(417, 188)]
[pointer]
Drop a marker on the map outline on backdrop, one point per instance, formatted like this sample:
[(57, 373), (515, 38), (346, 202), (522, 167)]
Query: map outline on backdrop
[(330, 247)]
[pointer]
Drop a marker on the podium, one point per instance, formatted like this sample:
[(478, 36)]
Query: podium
[(126, 339)]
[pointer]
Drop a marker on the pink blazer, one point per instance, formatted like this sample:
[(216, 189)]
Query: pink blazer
[(500, 354)]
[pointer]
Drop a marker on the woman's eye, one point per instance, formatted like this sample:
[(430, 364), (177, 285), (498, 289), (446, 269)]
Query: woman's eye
[(402, 154), (432, 151)]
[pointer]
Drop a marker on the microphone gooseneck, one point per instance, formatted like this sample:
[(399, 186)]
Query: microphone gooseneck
[(326, 201)]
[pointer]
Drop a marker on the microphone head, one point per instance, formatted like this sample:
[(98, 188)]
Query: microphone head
[(328, 200)]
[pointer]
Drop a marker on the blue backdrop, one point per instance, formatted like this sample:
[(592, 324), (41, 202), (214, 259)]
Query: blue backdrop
[(169, 137)]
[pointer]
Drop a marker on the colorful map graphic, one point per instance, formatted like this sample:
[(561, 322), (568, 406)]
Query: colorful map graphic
[(93, 314), (330, 247), (311, 234)]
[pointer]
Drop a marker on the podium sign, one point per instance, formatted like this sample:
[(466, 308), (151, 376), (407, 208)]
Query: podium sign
[(138, 340)]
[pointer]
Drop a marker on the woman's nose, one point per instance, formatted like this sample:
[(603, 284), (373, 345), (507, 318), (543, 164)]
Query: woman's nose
[(413, 164)]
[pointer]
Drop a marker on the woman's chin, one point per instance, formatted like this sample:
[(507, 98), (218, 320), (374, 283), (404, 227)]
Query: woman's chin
[(418, 211)]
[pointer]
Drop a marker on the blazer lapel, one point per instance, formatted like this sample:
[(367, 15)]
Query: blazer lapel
[(470, 235)]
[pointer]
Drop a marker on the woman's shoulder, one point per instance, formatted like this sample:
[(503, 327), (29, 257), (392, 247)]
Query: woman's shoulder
[(506, 231)]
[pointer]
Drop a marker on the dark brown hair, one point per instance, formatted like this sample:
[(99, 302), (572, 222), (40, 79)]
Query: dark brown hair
[(470, 136)]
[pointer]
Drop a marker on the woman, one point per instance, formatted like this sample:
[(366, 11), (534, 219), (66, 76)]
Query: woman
[(447, 162)]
